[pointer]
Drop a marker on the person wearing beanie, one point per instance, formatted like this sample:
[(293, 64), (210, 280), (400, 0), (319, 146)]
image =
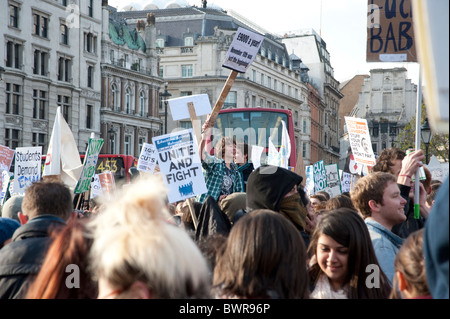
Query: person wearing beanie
[(12, 206), (7, 228)]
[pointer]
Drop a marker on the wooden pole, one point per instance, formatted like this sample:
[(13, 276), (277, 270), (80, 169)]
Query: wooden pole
[(223, 96)]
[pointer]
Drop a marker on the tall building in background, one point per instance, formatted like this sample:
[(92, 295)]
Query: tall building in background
[(312, 49)]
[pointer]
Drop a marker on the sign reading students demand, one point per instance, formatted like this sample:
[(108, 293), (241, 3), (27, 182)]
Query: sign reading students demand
[(243, 50), (390, 31), (180, 165)]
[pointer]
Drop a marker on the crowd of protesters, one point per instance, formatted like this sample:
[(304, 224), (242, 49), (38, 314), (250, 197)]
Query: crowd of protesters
[(258, 236)]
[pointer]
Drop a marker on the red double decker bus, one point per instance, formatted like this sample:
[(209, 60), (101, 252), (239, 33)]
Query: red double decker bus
[(256, 126)]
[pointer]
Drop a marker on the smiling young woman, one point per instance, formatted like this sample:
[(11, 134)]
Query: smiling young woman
[(341, 251)]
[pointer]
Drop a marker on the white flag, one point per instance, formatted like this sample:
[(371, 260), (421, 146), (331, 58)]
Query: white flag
[(285, 149), (63, 157)]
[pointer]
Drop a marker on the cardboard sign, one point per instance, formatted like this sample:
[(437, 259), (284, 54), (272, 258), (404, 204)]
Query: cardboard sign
[(179, 106), (27, 168), (320, 176), (107, 183), (243, 50), (147, 159), (4, 183), (6, 157), (90, 162), (390, 31), (333, 180), (180, 165), (96, 187), (309, 172), (360, 143), (346, 182)]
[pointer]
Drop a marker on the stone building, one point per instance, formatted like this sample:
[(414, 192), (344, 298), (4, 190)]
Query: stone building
[(51, 58)]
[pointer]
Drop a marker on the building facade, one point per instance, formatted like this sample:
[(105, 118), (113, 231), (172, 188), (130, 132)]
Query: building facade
[(51, 59), (312, 49), (192, 44), (388, 101)]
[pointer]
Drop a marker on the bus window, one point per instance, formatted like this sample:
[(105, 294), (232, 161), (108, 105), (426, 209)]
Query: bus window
[(256, 126)]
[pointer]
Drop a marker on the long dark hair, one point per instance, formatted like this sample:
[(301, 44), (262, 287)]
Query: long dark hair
[(347, 228), (264, 257)]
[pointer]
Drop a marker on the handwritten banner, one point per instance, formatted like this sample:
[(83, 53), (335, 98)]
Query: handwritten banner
[(243, 50), (27, 168), (89, 164), (360, 143), (320, 176), (147, 159)]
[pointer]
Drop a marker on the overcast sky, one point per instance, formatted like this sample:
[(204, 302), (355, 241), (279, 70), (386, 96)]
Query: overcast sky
[(341, 23)]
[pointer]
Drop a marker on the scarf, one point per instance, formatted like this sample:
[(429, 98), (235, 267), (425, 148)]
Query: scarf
[(292, 208)]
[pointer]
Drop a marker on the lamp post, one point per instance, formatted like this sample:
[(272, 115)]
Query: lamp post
[(425, 132), (165, 95), (112, 137)]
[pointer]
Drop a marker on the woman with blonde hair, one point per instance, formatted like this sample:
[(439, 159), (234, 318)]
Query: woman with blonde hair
[(138, 254)]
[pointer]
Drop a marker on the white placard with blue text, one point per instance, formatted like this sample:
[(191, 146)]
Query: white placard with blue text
[(180, 165), (27, 168)]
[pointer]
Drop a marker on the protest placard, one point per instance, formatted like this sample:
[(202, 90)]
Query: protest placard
[(27, 168), (4, 183), (360, 143), (179, 106), (147, 159), (6, 157), (180, 165), (89, 164), (96, 187), (333, 181), (320, 176), (390, 32), (309, 184), (107, 182), (346, 182), (243, 50)]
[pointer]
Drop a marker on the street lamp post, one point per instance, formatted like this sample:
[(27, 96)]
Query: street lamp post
[(425, 132), (165, 95)]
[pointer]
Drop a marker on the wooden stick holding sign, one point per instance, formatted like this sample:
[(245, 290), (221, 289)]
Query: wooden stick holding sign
[(198, 135), (223, 96)]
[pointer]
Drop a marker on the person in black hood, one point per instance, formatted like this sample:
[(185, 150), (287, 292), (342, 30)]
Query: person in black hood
[(278, 189)]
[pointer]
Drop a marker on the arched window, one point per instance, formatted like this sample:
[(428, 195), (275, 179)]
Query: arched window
[(127, 101), (114, 97), (141, 103)]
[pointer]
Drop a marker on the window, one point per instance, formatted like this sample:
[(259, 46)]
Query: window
[(128, 101), (160, 43), (13, 97), (114, 95), (14, 54), (64, 3), (91, 8), (188, 41), (254, 75), (161, 72), (39, 104), (13, 16), (38, 139), (64, 104), (141, 142), (231, 100), (374, 147), (141, 104), (127, 144), (64, 34), (40, 62), (375, 131), (269, 82), (90, 43), (90, 75), (186, 71), (64, 69), (262, 79), (89, 115), (186, 93), (112, 140), (387, 102), (275, 84), (40, 25), (12, 138), (304, 150), (111, 56), (185, 124)]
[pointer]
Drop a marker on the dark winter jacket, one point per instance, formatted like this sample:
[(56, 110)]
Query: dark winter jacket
[(21, 260)]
